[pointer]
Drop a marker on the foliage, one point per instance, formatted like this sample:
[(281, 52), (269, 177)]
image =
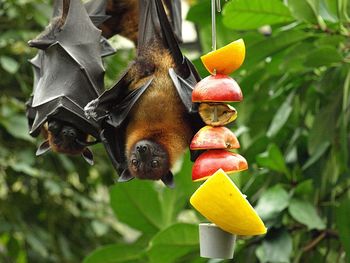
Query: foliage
[(55, 208), (293, 127)]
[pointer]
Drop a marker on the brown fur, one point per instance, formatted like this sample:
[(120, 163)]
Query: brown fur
[(70, 149), (124, 19), (159, 115)]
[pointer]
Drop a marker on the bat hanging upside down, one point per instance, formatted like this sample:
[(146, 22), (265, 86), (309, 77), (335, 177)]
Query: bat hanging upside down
[(68, 73), (148, 116)]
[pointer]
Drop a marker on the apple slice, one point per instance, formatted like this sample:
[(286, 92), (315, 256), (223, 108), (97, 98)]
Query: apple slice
[(210, 161), (217, 88), (214, 138), (220, 201), (225, 60), (217, 114)]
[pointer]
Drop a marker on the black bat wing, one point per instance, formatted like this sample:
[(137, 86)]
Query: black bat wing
[(71, 72), (174, 7), (36, 63), (97, 13), (111, 109), (154, 24)]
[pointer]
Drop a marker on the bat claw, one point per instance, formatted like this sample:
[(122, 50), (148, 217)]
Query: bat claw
[(168, 180), (90, 109), (125, 176), (88, 156), (43, 148)]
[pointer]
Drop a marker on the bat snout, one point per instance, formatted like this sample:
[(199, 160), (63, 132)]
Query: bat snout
[(141, 148), (69, 133)]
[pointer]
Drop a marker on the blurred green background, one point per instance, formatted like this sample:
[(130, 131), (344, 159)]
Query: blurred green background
[(293, 127)]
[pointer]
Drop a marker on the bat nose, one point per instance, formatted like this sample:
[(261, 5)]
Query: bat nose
[(69, 133), (141, 148)]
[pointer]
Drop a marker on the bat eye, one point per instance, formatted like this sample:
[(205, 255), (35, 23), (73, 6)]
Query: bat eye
[(134, 162), (155, 163)]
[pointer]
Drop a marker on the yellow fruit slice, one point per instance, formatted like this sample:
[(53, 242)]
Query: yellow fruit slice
[(225, 60), (221, 202)]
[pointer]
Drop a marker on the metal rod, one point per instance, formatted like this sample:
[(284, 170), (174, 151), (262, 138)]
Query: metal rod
[(216, 114), (213, 24), (218, 5)]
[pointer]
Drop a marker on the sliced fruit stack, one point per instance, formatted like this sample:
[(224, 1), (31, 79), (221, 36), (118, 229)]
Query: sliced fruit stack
[(218, 199), (213, 93)]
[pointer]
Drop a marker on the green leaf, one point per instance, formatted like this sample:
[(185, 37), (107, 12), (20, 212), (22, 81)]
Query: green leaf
[(319, 151), (305, 213), (173, 243), (252, 14), (260, 50), (324, 125), (328, 10), (323, 56), (117, 253), (333, 41), (37, 244), (195, 14), (137, 205), (173, 201), (272, 202), (9, 64), (17, 126), (281, 117), (343, 226), (304, 189), (276, 247), (343, 10), (273, 159), (302, 10)]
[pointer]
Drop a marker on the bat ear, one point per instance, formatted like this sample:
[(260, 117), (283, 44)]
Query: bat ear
[(43, 148), (168, 180), (125, 176), (88, 156)]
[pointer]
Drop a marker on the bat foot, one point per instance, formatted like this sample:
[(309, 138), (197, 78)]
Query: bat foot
[(125, 176), (90, 109), (88, 156), (168, 180)]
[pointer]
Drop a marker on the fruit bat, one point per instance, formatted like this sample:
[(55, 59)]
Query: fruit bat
[(68, 73), (148, 118), (123, 20)]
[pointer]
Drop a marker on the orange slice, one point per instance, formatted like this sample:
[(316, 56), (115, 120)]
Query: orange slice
[(225, 60)]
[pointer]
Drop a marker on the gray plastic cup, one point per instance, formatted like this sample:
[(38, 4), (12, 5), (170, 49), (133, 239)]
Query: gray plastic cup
[(215, 242)]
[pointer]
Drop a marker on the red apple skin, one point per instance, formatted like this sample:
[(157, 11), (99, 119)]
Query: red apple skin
[(214, 138), (217, 88), (210, 161)]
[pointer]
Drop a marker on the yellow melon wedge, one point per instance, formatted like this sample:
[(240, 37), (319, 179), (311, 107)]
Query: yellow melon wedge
[(225, 60), (221, 202)]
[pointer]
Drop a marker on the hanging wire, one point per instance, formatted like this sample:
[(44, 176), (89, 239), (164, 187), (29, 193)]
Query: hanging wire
[(213, 24)]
